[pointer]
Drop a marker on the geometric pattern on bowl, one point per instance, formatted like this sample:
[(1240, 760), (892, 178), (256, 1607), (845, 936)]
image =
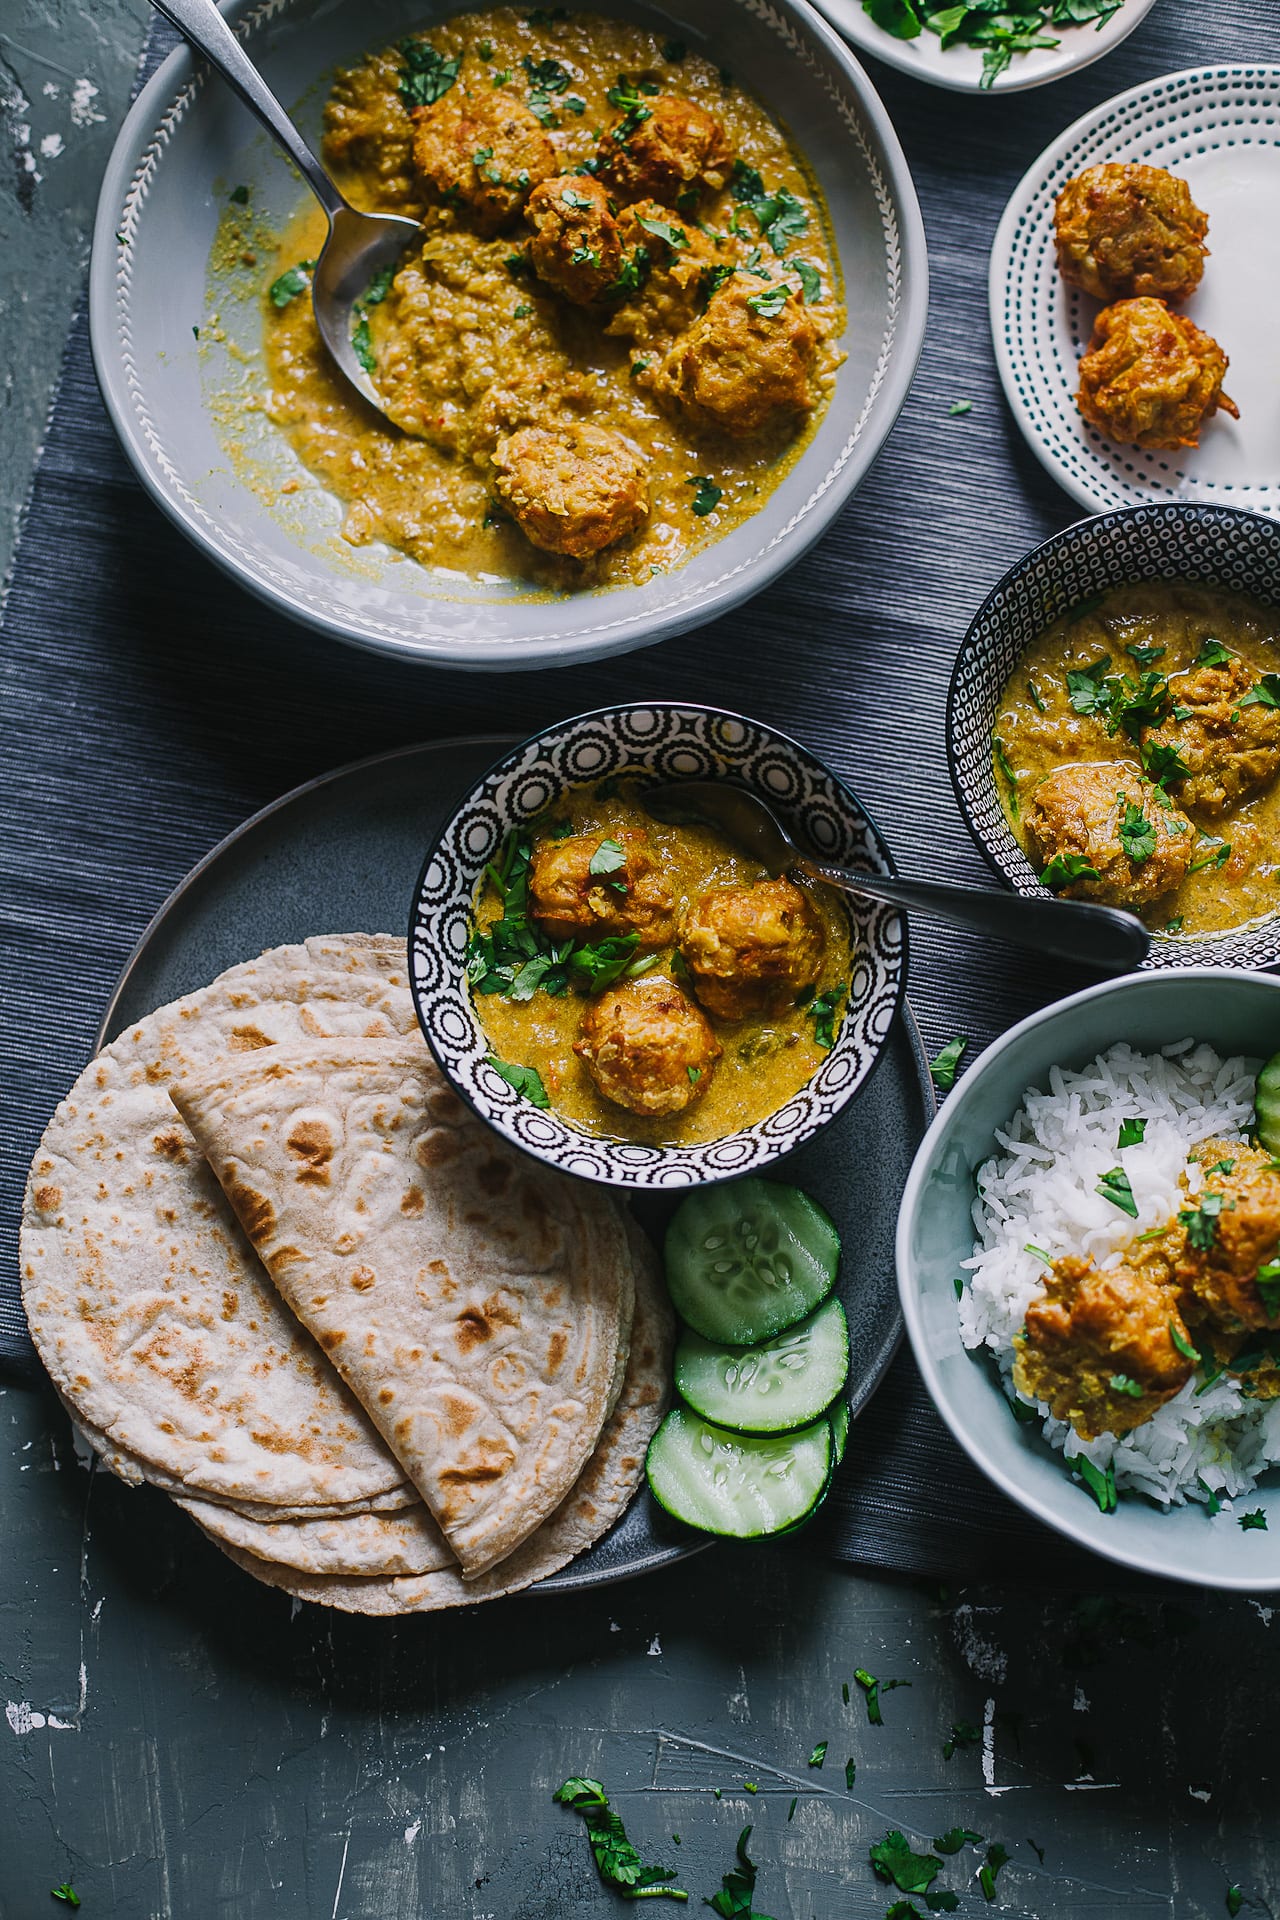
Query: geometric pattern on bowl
[(653, 743), (1218, 547)]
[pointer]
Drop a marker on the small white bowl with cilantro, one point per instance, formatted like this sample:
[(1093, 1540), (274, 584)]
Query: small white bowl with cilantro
[(986, 46)]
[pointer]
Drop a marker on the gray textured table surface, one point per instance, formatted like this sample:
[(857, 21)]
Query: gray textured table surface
[(178, 1745)]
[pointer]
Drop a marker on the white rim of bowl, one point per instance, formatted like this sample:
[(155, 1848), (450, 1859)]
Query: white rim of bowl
[(913, 1320), (1011, 222), (147, 130)]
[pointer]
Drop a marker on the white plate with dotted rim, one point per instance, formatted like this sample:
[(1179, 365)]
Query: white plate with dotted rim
[(1219, 129), (960, 68), (262, 518)]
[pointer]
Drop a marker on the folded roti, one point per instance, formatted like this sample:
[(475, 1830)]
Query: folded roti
[(145, 1300), (405, 1543), (599, 1498), (477, 1304)]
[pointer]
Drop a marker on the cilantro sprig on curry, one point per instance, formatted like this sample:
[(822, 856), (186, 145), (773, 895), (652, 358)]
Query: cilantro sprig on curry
[(649, 980), (1136, 751), (620, 325)]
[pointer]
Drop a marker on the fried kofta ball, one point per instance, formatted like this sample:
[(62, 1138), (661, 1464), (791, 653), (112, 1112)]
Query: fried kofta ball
[(752, 949), (482, 153), (1137, 843), (627, 892), (742, 367), (1151, 378), (1126, 231), (1090, 1328), (665, 149), (572, 489), (647, 1047), (576, 246)]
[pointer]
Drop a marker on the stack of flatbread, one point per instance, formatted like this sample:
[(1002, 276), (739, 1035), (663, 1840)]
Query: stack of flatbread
[(276, 1268)]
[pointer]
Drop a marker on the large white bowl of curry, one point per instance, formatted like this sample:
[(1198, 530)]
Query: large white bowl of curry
[(669, 299), (639, 1002)]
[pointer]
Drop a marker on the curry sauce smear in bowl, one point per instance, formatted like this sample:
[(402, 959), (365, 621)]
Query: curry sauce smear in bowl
[(650, 981), (1136, 753), (621, 325)]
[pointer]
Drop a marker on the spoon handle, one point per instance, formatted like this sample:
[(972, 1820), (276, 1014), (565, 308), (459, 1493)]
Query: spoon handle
[(200, 22), (1070, 929)]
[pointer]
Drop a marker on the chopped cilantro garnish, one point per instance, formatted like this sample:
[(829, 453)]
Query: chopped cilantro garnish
[(290, 284), (427, 75), (1216, 855), (1087, 687), (525, 1080), (850, 1774), (1269, 1287), (1114, 1186), (593, 968), (1163, 762), (963, 1734), (1101, 1483), (1122, 1383), (1255, 1522), (1265, 694), (791, 1810), (1039, 1253), (521, 312), (379, 287), (733, 1901), (822, 1011), (632, 275), (955, 1838), (695, 1074), (770, 301), (667, 230), (997, 1857), (707, 495), (873, 1688), (945, 1063), (608, 858), (1213, 654), (1137, 834), (1235, 1900), (819, 1753), (1201, 1222), (1174, 925), (844, 1691), (1146, 656), (959, 407), (1132, 1133), (66, 1892), (1064, 868), (1006, 768), (895, 1861), (239, 196), (1182, 1343), (362, 342), (618, 1863), (745, 183), (810, 280)]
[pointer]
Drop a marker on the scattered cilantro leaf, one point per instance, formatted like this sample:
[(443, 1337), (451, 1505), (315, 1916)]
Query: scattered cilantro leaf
[(1146, 656), (1137, 833), (791, 1810), (956, 1838), (1064, 869), (898, 17), (895, 1861), (1132, 1133), (963, 1734), (1101, 1483), (737, 1887), (997, 1857), (1006, 767), (956, 409), (593, 968), (1163, 762), (819, 1753), (707, 495), (617, 1862), (239, 196), (1255, 1522), (810, 280), (1213, 654), (850, 1774), (1182, 1343), (292, 282), (945, 1063), (745, 183), (1269, 1287), (427, 75), (525, 1080), (1088, 688), (608, 858), (674, 236), (1039, 1252), (66, 1892), (1201, 1222), (822, 1011), (1114, 1186), (379, 287), (1235, 1900), (1123, 1383), (770, 301), (1265, 694)]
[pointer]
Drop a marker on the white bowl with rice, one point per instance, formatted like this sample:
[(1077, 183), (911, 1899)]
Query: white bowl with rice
[(1007, 1180)]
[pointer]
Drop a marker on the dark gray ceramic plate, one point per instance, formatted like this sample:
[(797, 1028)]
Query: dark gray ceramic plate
[(343, 854)]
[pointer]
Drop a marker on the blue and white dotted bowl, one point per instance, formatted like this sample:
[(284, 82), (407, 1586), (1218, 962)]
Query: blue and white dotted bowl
[(1217, 547), (655, 743)]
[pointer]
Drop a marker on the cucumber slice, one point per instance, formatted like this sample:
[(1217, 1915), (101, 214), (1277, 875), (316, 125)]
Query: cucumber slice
[(773, 1388), (1266, 1102), (746, 1261), (839, 1417), (741, 1486)]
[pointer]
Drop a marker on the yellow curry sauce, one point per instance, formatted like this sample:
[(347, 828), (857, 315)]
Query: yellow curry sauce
[(1160, 628), (471, 345), (764, 1060)]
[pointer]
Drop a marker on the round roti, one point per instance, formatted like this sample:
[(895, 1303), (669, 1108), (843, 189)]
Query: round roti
[(478, 1305), (599, 1499), (144, 1298)]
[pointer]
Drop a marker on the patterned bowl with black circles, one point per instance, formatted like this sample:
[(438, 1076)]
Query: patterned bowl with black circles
[(1218, 547), (652, 744)]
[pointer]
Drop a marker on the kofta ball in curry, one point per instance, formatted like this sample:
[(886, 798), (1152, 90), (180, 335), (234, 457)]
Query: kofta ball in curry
[(587, 885), (1222, 1277), (576, 247), (1091, 1327), (1136, 844), (741, 367), (572, 489), (665, 149), (1151, 378), (752, 949), (1125, 230), (482, 153), (1226, 738), (647, 1046)]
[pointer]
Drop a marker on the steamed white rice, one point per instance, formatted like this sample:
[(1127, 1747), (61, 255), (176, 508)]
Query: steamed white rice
[(1040, 1190)]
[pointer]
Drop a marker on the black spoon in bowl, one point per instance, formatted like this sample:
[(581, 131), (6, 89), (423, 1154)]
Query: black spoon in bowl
[(1070, 929)]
